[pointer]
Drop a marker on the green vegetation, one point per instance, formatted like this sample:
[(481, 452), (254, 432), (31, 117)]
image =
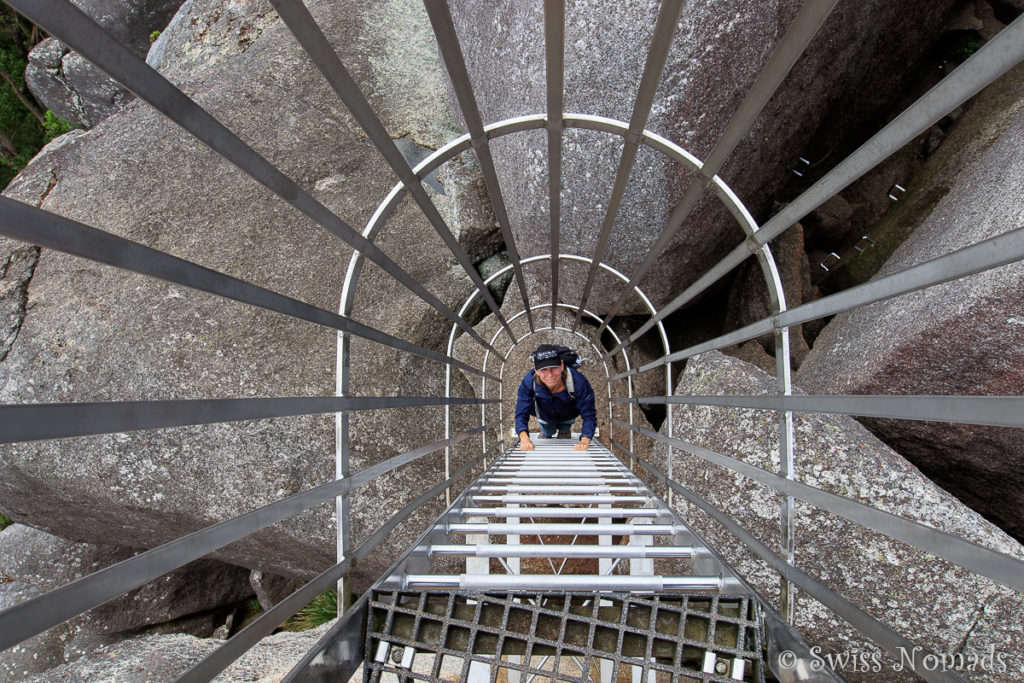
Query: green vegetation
[(153, 36), (54, 125), (5, 522), (24, 127), (322, 609)]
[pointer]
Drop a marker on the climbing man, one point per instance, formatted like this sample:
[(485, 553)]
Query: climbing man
[(556, 395)]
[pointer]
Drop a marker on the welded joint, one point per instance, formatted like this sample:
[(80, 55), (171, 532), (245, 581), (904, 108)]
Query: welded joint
[(480, 141), (752, 244), (554, 125), (411, 182), (704, 178), (633, 137)]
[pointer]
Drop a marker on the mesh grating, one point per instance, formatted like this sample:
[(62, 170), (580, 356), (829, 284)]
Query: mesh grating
[(446, 636)]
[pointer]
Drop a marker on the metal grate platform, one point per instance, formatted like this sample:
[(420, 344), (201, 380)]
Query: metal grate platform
[(567, 567), (517, 637)]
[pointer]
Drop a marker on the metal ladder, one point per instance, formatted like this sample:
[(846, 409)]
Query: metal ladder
[(582, 536)]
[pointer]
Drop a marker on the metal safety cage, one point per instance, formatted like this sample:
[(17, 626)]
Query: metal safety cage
[(344, 642)]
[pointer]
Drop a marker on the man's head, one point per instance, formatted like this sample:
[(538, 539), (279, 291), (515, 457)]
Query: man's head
[(548, 365)]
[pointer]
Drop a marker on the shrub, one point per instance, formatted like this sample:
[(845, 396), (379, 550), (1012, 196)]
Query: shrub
[(55, 125)]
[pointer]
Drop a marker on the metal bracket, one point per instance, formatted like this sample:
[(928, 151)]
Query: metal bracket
[(896, 191), (830, 261), (864, 243)]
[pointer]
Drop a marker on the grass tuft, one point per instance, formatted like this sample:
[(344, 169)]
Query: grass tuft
[(322, 609)]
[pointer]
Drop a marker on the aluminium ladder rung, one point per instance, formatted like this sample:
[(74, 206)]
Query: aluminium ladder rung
[(561, 500), (569, 582), (553, 480), (558, 512), (548, 456), (554, 528), (555, 467), (536, 488), (562, 550)]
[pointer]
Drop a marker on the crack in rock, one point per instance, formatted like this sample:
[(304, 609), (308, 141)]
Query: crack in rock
[(17, 267), (982, 610)]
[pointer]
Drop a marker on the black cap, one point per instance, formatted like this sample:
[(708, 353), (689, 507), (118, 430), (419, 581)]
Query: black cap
[(546, 356)]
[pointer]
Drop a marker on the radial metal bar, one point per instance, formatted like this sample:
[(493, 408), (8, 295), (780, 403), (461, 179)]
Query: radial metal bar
[(657, 55), (455, 63), (561, 550), (29, 422), (554, 53), (991, 253), (804, 27), (1002, 411), (971, 556), (308, 33), (35, 615), (570, 582), (76, 29), (553, 512), (893, 643), (37, 226), (266, 623), (984, 66), (553, 528)]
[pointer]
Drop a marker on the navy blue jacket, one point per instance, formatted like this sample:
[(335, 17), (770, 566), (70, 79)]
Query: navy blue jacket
[(558, 407)]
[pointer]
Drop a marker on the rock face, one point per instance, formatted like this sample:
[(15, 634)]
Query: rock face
[(963, 337), (933, 603), (38, 653), (73, 88), (47, 562), (166, 657), (194, 599), (749, 301), (717, 53), (94, 334)]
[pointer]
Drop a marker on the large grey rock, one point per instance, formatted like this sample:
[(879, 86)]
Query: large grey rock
[(130, 22), (963, 337), (64, 82), (718, 50), (70, 86), (166, 657), (271, 589), (17, 263), (750, 302), (94, 334), (38, 653), (47, 562), (933, 603)]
